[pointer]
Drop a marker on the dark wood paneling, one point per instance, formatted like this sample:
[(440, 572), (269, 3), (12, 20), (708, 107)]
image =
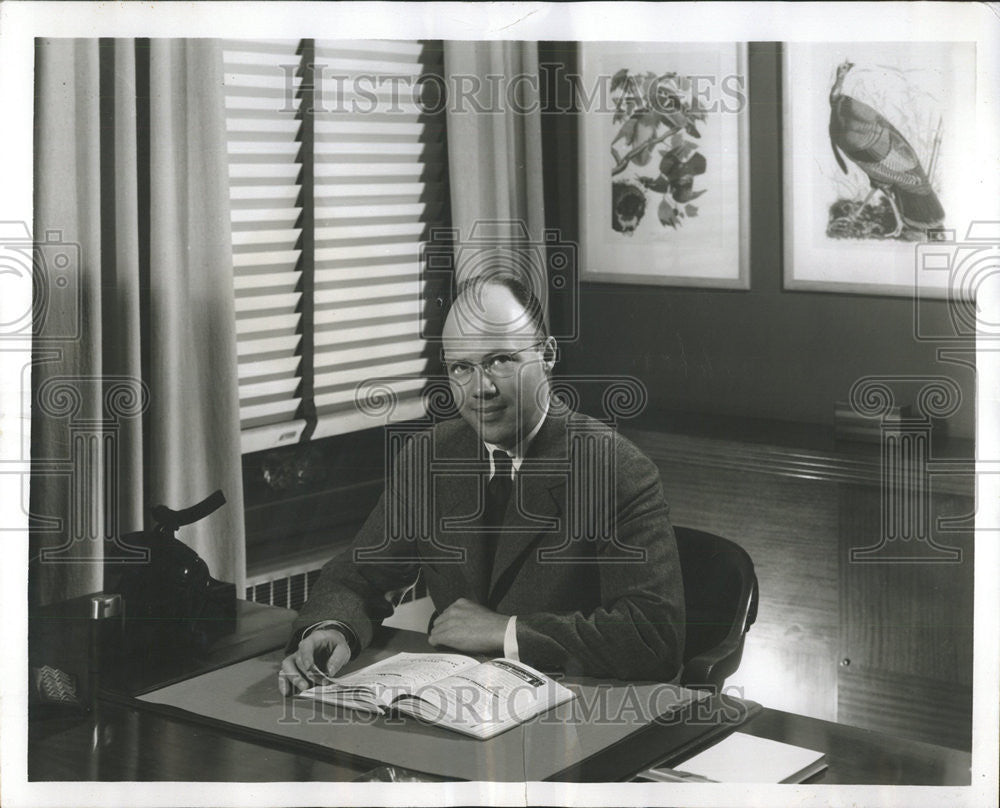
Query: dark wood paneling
[(907, 629), (834, 637), (844, 463), (789, 528), (913, 618)]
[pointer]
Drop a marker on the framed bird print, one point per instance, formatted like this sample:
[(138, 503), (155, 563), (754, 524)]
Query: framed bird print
[(879, 141), (663, 163)]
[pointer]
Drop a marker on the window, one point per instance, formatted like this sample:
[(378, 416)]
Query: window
[(338, 172)]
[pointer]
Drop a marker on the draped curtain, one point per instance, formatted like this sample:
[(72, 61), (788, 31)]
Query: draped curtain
[(134, 378), (495, 152)]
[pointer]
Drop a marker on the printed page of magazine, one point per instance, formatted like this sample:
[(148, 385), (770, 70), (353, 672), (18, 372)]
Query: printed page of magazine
[(486, 700), (376, 686)]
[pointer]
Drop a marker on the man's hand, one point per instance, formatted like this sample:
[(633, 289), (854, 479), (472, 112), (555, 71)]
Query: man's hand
[(322, 651), (470, 627)]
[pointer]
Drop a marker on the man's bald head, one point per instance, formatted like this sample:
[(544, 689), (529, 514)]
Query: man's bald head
[(498, 357), (483, 309)]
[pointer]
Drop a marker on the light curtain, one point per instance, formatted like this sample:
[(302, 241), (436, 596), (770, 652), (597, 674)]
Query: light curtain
[(495, 150), (138, 406)]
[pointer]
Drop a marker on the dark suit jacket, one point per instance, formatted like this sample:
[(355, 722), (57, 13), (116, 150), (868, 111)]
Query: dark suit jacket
[(586, 558)]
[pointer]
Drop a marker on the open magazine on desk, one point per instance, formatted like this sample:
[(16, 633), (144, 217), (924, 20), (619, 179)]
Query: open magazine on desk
[(480, 699)]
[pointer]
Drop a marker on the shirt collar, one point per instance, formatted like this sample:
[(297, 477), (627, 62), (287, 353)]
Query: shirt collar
[(519, 451)]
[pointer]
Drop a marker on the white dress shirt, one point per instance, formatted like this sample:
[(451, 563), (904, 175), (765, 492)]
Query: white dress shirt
[(510, 649)]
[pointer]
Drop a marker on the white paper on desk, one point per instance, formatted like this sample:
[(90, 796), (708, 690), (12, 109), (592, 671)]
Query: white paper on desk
[(742, 758)]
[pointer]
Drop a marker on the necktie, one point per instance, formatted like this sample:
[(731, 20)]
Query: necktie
[(497, 496), (498, 490)]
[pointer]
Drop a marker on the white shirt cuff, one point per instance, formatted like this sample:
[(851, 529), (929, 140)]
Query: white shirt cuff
[(343, 628), (510, 640), (319, 625)]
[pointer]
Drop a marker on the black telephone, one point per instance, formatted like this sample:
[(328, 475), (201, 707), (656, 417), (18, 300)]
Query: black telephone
[(172, 605)]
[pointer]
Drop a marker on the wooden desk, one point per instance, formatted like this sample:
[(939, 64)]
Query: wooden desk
[(121, 742), (864, 757), (124, 744)]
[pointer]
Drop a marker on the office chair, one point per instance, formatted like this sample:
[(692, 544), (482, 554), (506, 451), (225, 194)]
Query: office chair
[(720, 598)]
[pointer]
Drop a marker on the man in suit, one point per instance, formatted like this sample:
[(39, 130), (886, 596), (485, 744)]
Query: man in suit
[(541, 534)]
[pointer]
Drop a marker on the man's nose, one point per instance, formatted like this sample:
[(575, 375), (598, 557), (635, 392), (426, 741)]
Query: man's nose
[(484, 384)]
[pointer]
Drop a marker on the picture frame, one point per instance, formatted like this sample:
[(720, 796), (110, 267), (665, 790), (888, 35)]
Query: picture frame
[(671, 213), (919, 178)]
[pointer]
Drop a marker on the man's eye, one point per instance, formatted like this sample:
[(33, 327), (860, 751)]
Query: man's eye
[(460, 369), (499, 361)]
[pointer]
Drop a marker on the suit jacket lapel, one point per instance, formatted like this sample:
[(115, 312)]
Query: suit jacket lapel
[(535, 506), (458, 479)]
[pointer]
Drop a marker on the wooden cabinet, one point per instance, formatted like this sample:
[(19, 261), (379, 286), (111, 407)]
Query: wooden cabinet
[(881, 643), (906, 629)]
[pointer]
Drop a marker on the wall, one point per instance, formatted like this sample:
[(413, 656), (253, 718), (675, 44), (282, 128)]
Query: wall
[(763, 353)]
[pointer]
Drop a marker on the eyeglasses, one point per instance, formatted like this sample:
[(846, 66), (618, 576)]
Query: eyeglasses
[(496, 366)]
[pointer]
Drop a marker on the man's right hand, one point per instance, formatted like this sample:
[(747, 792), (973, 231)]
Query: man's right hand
[(322, 651)]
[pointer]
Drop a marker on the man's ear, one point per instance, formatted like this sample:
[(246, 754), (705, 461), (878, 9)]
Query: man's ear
[(549, 353)]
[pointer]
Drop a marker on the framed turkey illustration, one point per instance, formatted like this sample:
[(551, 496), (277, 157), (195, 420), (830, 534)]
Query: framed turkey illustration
[(878, 146), (663, 163)]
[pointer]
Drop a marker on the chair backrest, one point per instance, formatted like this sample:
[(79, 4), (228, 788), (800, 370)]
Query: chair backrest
[(720, 598)]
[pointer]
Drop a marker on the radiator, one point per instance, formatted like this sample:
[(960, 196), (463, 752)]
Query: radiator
[(289, 587)]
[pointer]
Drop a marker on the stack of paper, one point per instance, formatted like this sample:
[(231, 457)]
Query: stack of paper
[(742, 758)]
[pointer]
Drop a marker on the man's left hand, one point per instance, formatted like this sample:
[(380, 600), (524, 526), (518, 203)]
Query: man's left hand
[(471, 627)]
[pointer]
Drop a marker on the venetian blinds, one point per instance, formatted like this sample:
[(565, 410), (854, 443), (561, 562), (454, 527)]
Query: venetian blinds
[(337, 174), (378, 173)]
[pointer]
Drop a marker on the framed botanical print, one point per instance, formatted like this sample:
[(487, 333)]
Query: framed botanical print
[(663, 163)]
